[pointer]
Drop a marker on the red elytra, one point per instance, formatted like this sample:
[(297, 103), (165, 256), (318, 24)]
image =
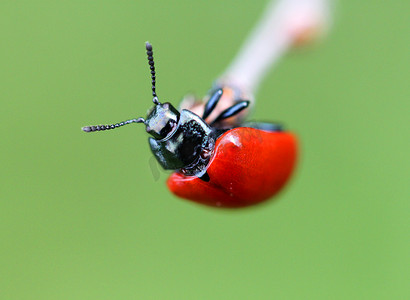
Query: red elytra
[(248, 166)]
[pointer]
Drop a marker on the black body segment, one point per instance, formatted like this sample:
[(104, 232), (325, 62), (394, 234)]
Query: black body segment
[(162, 120), (182, 148)]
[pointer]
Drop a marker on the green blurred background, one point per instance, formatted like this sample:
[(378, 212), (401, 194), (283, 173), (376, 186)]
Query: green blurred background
[(83, 217)]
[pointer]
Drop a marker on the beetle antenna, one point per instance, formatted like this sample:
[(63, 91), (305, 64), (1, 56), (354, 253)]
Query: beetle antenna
[(111, 126), (150, 55)]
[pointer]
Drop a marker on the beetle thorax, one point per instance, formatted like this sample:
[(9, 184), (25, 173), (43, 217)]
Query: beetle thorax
[(180, 144)]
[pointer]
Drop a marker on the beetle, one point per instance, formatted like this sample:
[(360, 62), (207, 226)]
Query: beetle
[(214, 162)]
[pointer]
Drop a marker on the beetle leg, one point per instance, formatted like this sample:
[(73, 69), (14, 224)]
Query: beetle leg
[(212, 102), (231, 111)]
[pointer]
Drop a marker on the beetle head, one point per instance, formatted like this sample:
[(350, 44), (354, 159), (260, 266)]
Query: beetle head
[(162, 120)]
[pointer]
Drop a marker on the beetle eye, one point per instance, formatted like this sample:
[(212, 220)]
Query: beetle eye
[(169, 127)]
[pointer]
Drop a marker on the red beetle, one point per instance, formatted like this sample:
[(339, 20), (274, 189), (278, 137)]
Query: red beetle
[(248, 166), (219, 163)]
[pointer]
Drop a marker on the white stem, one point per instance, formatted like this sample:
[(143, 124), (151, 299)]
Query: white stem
[(282, 25)]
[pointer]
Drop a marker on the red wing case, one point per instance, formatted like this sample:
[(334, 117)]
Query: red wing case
[(248, 166)]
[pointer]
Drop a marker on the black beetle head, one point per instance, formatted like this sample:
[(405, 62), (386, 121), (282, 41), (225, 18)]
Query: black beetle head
[(162, 120)]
